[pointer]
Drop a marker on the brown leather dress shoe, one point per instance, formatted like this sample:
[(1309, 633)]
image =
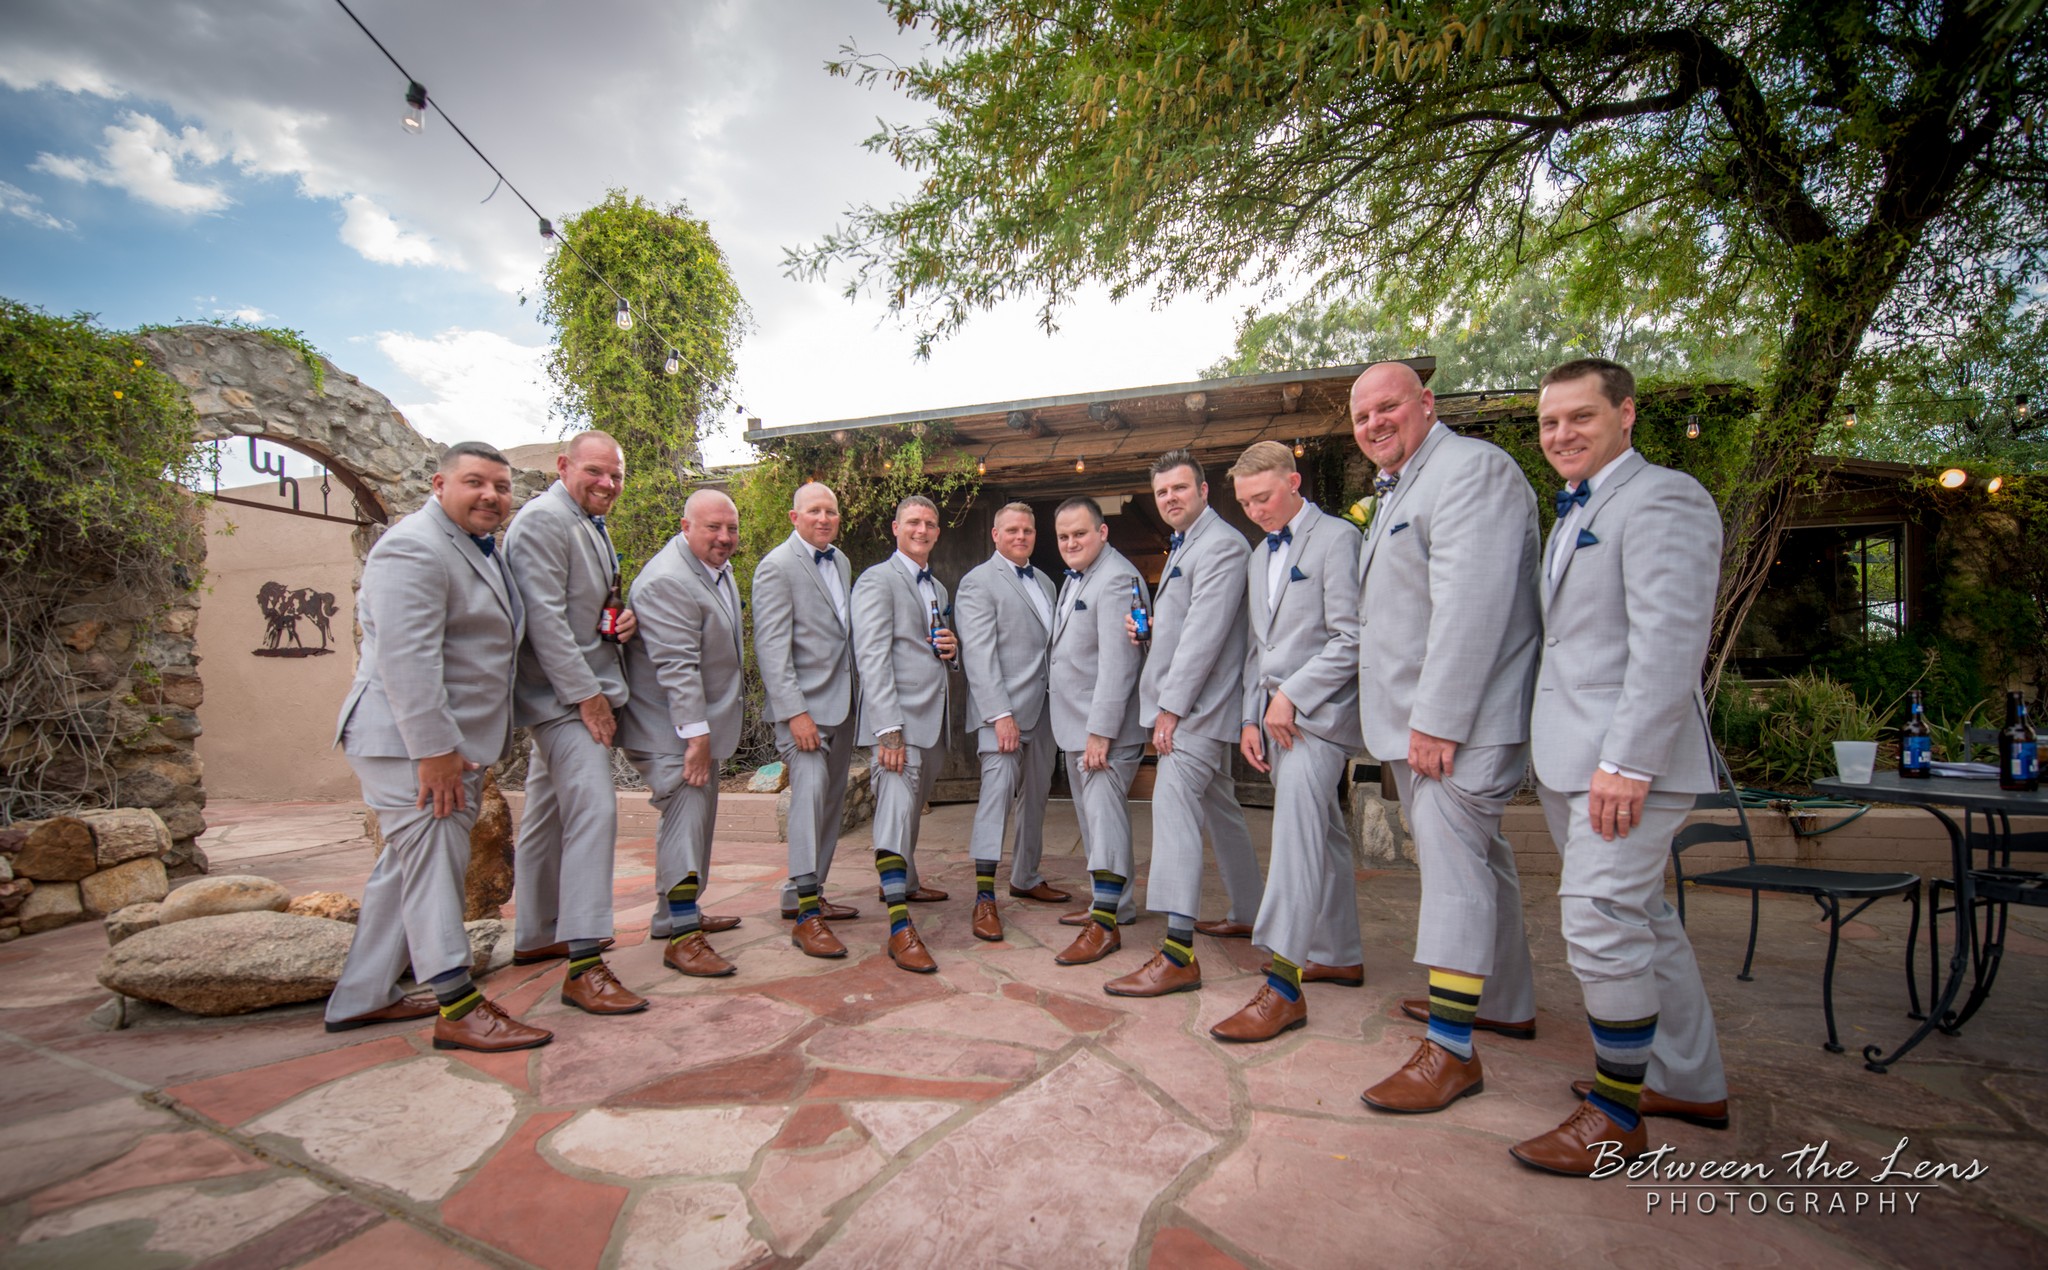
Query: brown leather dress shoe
[(417, 1006), (828, 910), (908, 952), (1433, 1078), (1044, 893), (922, 895), (598, 991), (1156, 978), (1707, 1115), (1224, 929), (1342, 976), (987, 923), (1267, 1016), (816, 939), (1569, 1149), (488, 1030), (550, 952), (1417, 1008), (716, 925), (692, 954), (1095, 942)]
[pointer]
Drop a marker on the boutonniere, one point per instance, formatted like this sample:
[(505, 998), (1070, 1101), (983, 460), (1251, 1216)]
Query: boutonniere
[(1360, 512), (1586, 539), (1294, 574)]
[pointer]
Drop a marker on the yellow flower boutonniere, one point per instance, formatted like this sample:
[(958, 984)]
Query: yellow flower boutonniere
[(1360, 512)]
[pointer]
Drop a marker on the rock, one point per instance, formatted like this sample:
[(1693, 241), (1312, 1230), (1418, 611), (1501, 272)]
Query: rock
[(6, 868), (132, 920), (50, 905), (772, 779), (332, 905), (230, 964), (136, 882), (126, 833), (13, 895), (13, 839), (59, 849), (488, 883), (214, 897), (185, 859), (9, 930), (183, 822), (83, 635), (488, 948)]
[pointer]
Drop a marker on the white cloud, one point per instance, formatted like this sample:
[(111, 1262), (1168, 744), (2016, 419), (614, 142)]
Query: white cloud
[(25, 69), (149, 161), (248, 313), (15, 201), (370, 230), (479, 386)]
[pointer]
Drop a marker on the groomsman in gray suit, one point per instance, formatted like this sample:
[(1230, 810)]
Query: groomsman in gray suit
[(430, 708), (803, 642), (904, 646), (685, 674), (1300, 722), (1447, 633), (1189, 696), (1619, 734), (1005, 610), (1094, 671), (570, 683)]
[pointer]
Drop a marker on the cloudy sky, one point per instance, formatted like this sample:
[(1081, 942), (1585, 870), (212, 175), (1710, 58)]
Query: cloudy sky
[(164, 160)]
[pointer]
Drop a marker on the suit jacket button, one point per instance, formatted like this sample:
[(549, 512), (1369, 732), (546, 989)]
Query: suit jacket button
[(1551, 642)]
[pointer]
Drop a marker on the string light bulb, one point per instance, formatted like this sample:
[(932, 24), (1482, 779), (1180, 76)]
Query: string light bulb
[(2019, 405), (624, 317), (1692, 428), (415, 117), (1849, 421), (1994, 485), (674, 362), (1953, 478), (1080, 465), (1299, 449), (547, 228), (888, 464), (981, 466)]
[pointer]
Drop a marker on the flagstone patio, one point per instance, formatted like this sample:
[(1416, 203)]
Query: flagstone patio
[(1003, 1112)]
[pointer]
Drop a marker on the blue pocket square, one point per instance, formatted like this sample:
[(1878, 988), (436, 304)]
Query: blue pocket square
[(1080, 605), (1397, 529), (1175, 573), (1294, 574), (1586, 539)]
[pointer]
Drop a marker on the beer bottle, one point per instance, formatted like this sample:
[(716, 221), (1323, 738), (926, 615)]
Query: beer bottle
[(933, 634), (608, 620), (1139, 618), (2018, 768), (1916, 744)]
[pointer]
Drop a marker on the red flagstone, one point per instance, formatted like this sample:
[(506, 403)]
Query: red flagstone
[(512, 1068), (856, 994), (918, 1053), (394, 1246), (1178, 1248), (519, 1203), (241, 1096), (777, 1076), (321, 1226), (794, 1193), (834, 1083), (1079, 1016), (812, 1126), (157, 1159)]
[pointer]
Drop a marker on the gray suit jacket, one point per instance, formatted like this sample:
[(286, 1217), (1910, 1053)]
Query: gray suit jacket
[(1003, 643), (1625, 634), (1195, 668), (804, 651), (563, 567), (1094, 665), (441, 624), (1447, 620), (683, 665), (902, 681), (1307, 644)]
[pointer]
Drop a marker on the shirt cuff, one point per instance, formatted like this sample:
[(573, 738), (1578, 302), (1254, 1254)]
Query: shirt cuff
[(1612, 770), (991, 720), (690, 730)]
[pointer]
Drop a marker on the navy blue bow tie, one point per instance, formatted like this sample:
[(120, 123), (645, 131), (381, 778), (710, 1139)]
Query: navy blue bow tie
[(827, 554), (1384, 483), (1174, 541), (485, 543), (1023, 570), (924, 575), (1073, 575), (1567, 497), (599, 522), (1276, 541)]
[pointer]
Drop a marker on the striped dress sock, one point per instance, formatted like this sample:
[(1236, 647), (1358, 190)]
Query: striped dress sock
[(806, 894), (683, 920), (583, 955), (1180, 939), (984, 879), (1109, 892), (1284, 977), (895, 887), (454, 992), (1453, 1004), (1621, 1055)]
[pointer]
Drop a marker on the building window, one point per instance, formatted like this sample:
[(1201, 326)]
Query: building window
[(1831, 586)]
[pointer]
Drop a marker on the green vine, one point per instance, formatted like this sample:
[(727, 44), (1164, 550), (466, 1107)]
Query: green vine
[(285, 337)]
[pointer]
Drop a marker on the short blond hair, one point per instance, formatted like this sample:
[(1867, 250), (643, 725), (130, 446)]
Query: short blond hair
[(1263, 456), (1021, 509)]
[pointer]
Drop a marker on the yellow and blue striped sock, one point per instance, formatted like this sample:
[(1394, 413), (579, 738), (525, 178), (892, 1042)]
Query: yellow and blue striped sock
[(1621, 1057), (1180, 939), (454, 993), (806, 894), (683, 919), (984, 879), (1109, 893), (895, 873), (1453, 1004), (1284, 977)]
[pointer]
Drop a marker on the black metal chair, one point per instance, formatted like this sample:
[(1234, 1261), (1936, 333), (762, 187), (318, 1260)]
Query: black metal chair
[(1994, 887), (1829, 888)]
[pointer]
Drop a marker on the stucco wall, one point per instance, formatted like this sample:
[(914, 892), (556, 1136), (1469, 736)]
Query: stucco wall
[(269, 720)]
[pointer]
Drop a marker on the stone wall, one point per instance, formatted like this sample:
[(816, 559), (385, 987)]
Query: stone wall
[(69, 869)]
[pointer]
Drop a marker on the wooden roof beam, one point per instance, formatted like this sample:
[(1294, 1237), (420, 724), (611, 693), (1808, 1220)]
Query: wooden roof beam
[(1025, 423)]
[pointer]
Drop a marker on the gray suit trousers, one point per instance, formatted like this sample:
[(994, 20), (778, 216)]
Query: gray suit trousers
[(1471, 917), (1015, 785), (1625, 943), (899, 802), (817, 800), (412, 904), (1101, 805), (682, 842), (1195, 791), (1310, 910), (562, 865)]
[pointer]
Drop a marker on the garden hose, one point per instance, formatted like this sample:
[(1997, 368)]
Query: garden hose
[(1800, 811)]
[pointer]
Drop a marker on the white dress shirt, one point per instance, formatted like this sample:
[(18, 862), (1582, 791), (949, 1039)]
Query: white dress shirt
[(1564, 542), (828, 573), (1276, 561), (721, 582)]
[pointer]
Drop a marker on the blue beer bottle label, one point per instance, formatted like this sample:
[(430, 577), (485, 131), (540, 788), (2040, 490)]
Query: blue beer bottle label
[(1919, 751), (2024, 760)]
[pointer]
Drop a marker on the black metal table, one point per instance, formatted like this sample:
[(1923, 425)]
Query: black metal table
[(1932, 795)]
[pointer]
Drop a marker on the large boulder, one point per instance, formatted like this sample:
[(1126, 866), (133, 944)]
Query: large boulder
[(59, 849), (50, 905), (136, 882), (230, 964), (488, 884), (489, 948), (219, 896), (332, 905), (126, 833), (125, 923)]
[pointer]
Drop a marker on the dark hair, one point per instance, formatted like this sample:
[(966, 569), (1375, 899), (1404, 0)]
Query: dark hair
[(470, 449), (1177, 458), (1089, 505), (1617, 382)]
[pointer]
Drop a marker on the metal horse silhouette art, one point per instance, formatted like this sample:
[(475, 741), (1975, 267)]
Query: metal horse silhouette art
[(282, 609)]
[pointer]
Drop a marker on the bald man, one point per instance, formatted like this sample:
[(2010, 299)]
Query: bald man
[(803, 643)]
